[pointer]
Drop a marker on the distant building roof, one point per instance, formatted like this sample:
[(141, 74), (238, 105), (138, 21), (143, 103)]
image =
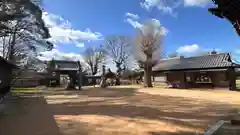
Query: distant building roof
[(66, 65), (222, 60)]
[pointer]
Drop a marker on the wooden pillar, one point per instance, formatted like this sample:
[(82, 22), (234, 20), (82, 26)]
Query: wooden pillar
[(79, 75), (153, 78), (57, 79), (192, 82), (183, 81), (167, 81), (213, 78), (166, 77), (232, 78)]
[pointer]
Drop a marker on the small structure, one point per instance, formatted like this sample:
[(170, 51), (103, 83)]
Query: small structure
[(69, 68), (5, 75), (73, 70), (214, 70)]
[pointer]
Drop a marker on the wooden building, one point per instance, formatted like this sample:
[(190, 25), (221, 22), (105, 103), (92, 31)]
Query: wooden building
[(63, 67), (70, 68), (213, 70), (31, 78), (5, 75)]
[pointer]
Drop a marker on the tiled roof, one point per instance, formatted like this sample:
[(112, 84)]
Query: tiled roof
[(222, 60), (66, 65)]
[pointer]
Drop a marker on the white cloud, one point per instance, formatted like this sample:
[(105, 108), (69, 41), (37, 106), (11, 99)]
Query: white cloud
[(58, 55), (131, 15), (200, 3), (195, 49), (188, 49), (165, 6), (80, 45), (136, 24), (168, 6), (158, 24), (62, 31)]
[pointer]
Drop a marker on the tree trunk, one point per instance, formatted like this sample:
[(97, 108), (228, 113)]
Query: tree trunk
[(103, 82), (117, 80), (94, 81), (148, 72), (103, 79), (149, 77), (118, 77), (145, 77)]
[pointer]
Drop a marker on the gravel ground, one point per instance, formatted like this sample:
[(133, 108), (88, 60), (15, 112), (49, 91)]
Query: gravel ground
[(117, 111)]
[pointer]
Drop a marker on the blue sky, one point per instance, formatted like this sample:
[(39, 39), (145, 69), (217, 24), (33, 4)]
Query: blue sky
[(191, 28)]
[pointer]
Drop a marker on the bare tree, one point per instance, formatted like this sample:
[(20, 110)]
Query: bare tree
[(23, 32), (14, 10), (26, 31), (93, 57), (148, 49), (117, 48)]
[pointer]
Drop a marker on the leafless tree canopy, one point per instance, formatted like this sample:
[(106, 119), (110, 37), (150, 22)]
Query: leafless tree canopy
[(23, 31), (148, 49), (15, 10), (117, 48), (148, 43), (93, 57)]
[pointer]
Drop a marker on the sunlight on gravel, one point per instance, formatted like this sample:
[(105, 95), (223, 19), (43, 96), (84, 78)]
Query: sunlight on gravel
[(121, 111), (106, 125), (138, 111)]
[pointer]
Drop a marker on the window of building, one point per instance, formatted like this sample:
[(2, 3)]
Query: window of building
[(203, 77)]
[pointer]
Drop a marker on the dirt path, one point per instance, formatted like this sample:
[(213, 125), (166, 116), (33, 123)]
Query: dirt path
[(115, 111)]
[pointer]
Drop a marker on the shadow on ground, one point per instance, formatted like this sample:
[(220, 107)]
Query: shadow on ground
[(170, 133), (127, 111), (96, 92), (28, 116), (110, 111)]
